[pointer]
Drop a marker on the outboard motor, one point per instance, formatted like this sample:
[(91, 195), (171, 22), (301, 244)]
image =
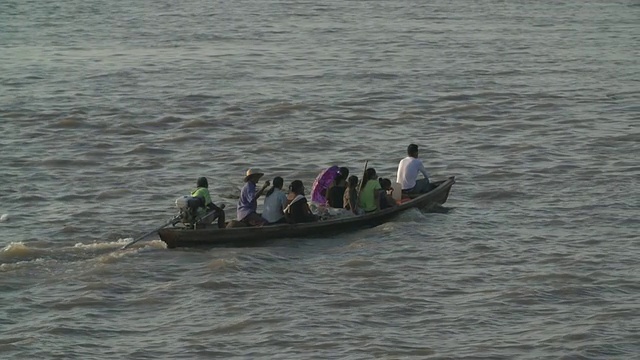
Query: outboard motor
[(188, 207)]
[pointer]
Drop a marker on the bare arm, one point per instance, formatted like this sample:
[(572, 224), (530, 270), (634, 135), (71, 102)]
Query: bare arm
[(353, 201), (264, 187), (423, 170)]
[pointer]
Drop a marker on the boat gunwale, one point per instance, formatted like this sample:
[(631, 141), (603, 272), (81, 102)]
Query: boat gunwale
[(444, 186)]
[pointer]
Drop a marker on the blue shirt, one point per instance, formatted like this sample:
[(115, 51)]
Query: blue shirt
[(247, 203)]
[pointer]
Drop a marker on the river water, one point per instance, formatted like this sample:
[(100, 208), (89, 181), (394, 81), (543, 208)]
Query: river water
[(111, 110)]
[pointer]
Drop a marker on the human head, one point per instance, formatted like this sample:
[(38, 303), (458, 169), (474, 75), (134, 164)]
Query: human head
[(412, 150), (353, 181), (253, 175), (278, 182), (385, 183), (371, 174), (296, 187), (202, 182), (344, 172)]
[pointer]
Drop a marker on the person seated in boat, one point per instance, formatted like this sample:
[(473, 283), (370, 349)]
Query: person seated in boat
[(248, 202), (408, 170), (370, 193), (209, 211), (298, 211), (386, 198), (275, 202), (335, 193), (321, 184), (350, 197)]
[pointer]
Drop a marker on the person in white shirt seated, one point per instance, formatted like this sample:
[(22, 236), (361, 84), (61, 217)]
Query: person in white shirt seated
[(275, 202), (408, 171)]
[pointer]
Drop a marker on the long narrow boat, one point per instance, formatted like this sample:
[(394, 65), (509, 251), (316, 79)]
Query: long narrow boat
[(183, 237)]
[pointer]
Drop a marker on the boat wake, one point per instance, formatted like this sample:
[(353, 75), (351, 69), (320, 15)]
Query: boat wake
[(18, 255)]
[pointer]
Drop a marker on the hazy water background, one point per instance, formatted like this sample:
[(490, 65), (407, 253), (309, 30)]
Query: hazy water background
[(111, 110)]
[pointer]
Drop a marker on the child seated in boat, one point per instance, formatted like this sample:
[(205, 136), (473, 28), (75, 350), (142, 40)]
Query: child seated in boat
[(298, 211), (386, 198), (350, 197)]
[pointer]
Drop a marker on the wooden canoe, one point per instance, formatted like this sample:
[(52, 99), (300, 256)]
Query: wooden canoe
[(242, 236)]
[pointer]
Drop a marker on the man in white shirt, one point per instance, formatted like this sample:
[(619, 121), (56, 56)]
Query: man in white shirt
[(408, 171), (275, 202)]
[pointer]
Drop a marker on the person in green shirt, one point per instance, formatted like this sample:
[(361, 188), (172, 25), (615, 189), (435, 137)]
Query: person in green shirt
[(370, 192), (202, 192)]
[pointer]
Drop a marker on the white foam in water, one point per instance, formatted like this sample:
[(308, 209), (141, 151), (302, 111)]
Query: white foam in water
[(118, 244), (102, 245), (4, 217)]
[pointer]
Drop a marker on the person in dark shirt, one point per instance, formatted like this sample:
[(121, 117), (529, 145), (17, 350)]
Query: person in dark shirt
[(298, 210), (335, 193), (386, 198)]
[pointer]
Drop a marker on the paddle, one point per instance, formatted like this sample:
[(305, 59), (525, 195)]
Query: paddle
[(364, 174), (172, 221)]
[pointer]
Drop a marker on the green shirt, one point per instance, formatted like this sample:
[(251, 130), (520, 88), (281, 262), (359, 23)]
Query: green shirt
[(203, 193), (367, 195)]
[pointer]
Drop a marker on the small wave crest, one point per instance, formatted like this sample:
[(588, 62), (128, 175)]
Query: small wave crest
[(285, 109), (68, 123), (70, 163), (128, 130), (183, 139), (460, 109), (103, 245), (106, 245), (148, 150), (113, 194), (217, 285), (200, 97), (4, 217), (164, 122), (194, 124), (17, 251), (220, 264), (356, 263), (499, 195)]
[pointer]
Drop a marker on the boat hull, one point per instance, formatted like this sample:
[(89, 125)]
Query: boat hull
[(243, 236)]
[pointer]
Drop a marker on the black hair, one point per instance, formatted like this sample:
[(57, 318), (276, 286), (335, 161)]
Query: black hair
[(343, 173), (296, 187), (412, 149), (202, 182), (370, 174), (352, 182), (385, 183), (277, 184)]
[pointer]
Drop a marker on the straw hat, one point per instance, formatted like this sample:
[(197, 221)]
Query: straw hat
[(253, 172)]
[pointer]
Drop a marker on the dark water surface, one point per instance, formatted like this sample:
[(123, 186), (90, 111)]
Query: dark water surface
[(111, 110)]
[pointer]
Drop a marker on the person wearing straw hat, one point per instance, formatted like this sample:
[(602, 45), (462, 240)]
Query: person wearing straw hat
[(248, 202)]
